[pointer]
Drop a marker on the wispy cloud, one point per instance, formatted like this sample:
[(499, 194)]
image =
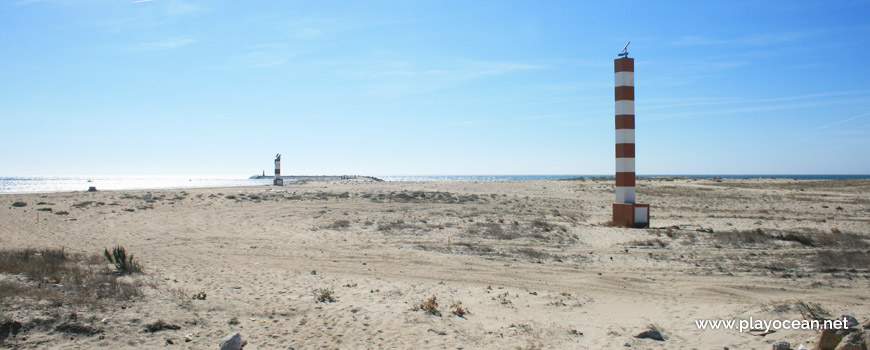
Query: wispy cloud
[(138, 13), (162, 45), (469, 122), (310, 27), (260, 59), (726, 101), (396, 78), (305, 28), (181, 7), (455, 70), (860, 116), (545, 117), (29, 2), (469, 70), (753, 40), (262, 55), (726, 106)]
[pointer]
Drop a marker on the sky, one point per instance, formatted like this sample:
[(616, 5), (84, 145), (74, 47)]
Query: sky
[(183, 87)]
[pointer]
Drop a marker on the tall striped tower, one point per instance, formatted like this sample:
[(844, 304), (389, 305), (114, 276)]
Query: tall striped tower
[(279, 181), (626, 212)]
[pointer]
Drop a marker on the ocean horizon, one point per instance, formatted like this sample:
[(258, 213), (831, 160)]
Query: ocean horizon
[(47, 184)]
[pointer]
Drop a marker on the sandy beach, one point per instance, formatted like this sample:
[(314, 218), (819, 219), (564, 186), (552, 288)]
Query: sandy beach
[(512, 265)]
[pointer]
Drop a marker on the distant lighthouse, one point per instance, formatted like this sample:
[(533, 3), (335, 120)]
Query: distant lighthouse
[(626, 211), (279, 181)]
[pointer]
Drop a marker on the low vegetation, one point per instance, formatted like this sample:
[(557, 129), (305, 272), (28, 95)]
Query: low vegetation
[(430, 306), (62, 277), (339, 225), (324, 295), (457, 309), (123, 264)]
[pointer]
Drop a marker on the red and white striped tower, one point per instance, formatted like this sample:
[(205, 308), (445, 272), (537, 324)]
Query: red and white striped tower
[(626, 212), (279, 181)]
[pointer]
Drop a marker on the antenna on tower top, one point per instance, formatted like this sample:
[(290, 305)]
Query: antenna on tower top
[(624, 52)]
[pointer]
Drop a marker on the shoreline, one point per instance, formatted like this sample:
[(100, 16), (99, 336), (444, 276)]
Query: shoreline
[(337, 179)]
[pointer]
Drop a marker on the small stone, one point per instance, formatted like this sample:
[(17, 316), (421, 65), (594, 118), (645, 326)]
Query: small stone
[(850, 321), (233, 342), (188, 338), (651, 334), (781, 345), (829, 339), (852, 342)]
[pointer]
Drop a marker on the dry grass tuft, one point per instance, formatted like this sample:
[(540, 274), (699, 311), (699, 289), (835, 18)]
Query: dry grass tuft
[(457, 309), (339, 225), (811, 311), (610, 223), (491, 230), (430, 306), (160, 325), (836, 260), (654, 242), (63, 277), (739, 238)]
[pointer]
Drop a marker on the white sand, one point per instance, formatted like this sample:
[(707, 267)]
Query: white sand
[(527, 285)]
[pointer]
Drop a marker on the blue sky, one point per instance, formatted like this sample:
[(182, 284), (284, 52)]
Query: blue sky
[(91, 87)]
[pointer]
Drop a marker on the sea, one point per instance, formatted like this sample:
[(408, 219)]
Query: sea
[(41, 184)]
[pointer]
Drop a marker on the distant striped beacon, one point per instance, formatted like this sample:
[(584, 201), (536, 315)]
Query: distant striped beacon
[(279, 181), (626, 211)]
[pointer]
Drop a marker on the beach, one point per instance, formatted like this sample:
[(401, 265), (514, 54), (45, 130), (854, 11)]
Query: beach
[(355, 264)]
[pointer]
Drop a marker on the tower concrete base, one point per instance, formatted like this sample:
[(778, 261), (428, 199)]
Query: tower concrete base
[(631, 215)]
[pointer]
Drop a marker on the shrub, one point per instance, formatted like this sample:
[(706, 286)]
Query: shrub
[(491, 230), (397, 225), (160, 325), (737, 238), (123, 264), (541, 225), (648, 243), (324, 295), (534, 254), (841, 259), (803, 239), (339, 225), (457, 309), (430, 306)]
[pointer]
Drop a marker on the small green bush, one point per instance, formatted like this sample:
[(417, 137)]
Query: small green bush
[(123, 264)]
